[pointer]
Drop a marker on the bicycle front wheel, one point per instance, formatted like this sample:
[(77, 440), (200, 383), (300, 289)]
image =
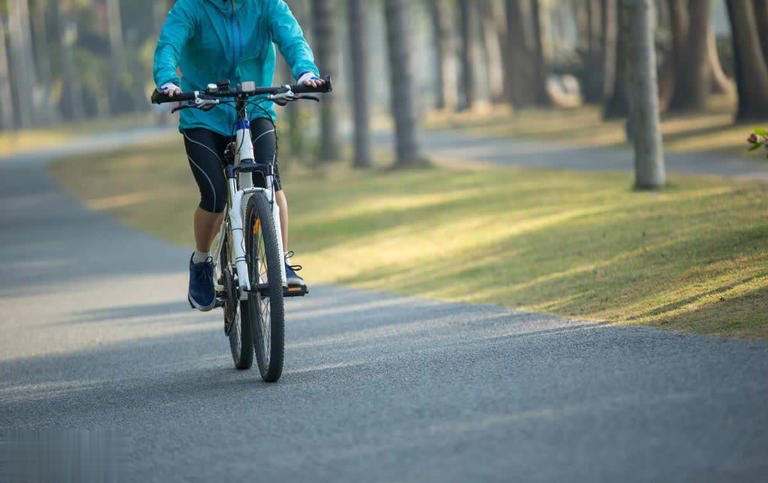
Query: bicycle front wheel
[(265, 307)]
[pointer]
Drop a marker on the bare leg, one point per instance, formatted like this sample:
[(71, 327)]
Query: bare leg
[(206, 228), (282, 203)]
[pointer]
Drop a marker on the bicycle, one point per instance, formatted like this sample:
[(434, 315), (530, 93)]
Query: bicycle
[(248, 254)]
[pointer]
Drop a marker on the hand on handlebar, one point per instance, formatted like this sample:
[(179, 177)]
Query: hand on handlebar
[(311, 80), (169, 89)]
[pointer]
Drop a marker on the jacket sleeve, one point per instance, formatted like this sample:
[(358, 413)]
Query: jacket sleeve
[(177, 30), (288, 36)]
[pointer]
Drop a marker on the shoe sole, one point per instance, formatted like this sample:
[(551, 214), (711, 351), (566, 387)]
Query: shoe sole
[(199, 307)]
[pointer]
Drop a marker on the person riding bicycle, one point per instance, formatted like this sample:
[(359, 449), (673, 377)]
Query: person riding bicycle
[(212, 40)]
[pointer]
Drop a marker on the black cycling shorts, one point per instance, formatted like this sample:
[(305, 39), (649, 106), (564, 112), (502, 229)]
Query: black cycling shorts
[(205, 153)]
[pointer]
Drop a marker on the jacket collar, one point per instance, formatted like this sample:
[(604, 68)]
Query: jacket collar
[(226, 5)]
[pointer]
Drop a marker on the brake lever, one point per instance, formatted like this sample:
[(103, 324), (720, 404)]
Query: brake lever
[(308, 98)]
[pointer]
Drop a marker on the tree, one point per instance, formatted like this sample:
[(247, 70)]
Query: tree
[(644, 96), (43, 62), (447, 97), (608, 39), (719, 82), (73, 91), (6, 96), (692, 78), (358, 41), (520, 58), (492, 40), (22, 60), (327, 59), (468, 53), (749, 62), (761, 17), (403, 86), (617, 105)]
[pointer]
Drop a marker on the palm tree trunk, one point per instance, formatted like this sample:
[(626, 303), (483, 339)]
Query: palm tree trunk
[(749, 62), (492, 36), (358, 40), (327, 60), (73, 91), (520, 69), (43, 62), (22, 60), (447, 97), (761, 17), (608, 39), (403, 84), (617, 106), (468, 54), (541, 58), (6, 96), (692, 78), (719, 81), (644, 96)]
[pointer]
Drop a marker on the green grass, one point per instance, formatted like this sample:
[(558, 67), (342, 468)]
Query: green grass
[(710, 131), (583, 245), (23, 140)]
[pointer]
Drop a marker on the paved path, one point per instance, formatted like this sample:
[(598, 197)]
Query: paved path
[(101, 360), (458, 145)]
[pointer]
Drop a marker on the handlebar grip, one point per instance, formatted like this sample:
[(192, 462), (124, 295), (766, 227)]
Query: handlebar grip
[(301, 89), (159, 98)]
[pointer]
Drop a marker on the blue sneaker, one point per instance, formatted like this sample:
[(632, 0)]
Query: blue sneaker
[(202, 293)]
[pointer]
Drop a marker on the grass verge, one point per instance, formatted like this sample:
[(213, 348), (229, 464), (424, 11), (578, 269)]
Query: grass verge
[(710, 131), (581, 245), (15, 142)]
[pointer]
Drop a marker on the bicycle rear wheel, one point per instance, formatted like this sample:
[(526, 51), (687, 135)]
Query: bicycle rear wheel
[(265, 307), (239, 329)]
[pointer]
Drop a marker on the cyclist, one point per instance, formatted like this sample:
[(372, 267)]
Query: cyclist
[(209, 40)]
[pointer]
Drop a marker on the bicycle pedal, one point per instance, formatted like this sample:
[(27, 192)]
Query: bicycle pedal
[(295, 291)]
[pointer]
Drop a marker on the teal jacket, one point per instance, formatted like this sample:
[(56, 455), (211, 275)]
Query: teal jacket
[(210, 41)]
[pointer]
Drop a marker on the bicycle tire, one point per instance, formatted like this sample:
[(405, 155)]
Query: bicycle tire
[(240, 331), (268, 335)]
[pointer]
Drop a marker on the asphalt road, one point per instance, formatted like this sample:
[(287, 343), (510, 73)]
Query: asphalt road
[(106, 374)]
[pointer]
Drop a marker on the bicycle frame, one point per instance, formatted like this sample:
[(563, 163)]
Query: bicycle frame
[(241, 188)]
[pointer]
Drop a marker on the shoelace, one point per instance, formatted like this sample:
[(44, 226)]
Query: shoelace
[(288, 256), (205, 274)]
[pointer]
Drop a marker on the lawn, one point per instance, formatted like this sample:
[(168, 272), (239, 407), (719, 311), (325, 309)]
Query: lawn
[(580, 245), (15, 142), (711, 131)]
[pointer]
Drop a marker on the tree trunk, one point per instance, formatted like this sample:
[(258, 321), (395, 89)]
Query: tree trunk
[(117, 49), (328, 63), (719, 82), (72, 104), (468, 54), (492, 36), (644, 96), (541, 59), (6, 96), (749, 62), (617, 106), (403, 84), (445, 56), (692, 78), (22, 60), (520, 69), (594, 88), (296, 124), (608, 39), (48, 111), (358, 40), (761, 17)]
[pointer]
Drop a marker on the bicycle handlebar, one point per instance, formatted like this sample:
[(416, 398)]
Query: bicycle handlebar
[(160, 98)]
